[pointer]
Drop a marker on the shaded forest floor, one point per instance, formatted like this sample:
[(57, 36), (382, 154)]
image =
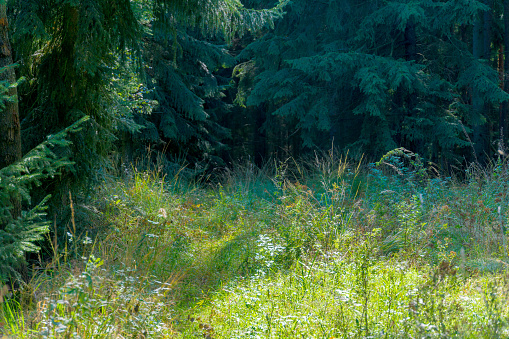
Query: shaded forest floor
[(328, 249)]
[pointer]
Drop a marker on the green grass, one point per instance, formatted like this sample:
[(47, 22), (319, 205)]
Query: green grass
[(324, 249)]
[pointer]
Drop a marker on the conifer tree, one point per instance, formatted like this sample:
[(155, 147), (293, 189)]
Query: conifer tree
[(69, 51), (188, 91), (184, 60), (373, 76), (19, 233)]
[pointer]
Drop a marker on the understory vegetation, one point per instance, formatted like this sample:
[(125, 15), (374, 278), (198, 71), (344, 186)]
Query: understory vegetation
[(326, 248)]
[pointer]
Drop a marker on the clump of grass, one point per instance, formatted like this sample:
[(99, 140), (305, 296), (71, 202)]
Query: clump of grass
[(95, 303)]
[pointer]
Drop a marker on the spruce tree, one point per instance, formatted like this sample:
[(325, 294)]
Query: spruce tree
[(21, 233), (69, 51), (189, 92), (374, 76), (186, 61)]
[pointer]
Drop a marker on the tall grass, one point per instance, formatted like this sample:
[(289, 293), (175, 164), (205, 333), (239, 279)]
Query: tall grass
[(320, 249)]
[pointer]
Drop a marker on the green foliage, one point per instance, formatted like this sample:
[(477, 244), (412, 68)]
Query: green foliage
[(483, 79), (226, 18), (19, 235), (185, 66), (188, 94), (359, 74), (69, 51), (5, 85)]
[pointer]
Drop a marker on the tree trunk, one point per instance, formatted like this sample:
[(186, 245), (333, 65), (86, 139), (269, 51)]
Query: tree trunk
[(505, 105), (10, 137), (68, 72), (410, 41), (488, 129), (260, 137), (478, 126), (411, 98), (487, 23)]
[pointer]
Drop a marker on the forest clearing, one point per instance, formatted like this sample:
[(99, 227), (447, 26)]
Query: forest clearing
[(254, 169)]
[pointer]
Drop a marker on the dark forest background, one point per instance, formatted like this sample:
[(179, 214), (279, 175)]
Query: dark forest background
[(363, 76)]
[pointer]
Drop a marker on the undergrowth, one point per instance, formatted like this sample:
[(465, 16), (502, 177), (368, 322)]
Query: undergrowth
[(323, 249)]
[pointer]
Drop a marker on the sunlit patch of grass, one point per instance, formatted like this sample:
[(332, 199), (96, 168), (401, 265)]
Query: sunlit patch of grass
[(341, 298), (12, 319), (314, 300)]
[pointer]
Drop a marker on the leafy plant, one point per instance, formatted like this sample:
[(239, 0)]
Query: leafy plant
[(19, 235)]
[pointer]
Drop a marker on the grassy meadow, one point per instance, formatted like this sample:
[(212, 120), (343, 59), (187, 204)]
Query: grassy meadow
[(321, 249)]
